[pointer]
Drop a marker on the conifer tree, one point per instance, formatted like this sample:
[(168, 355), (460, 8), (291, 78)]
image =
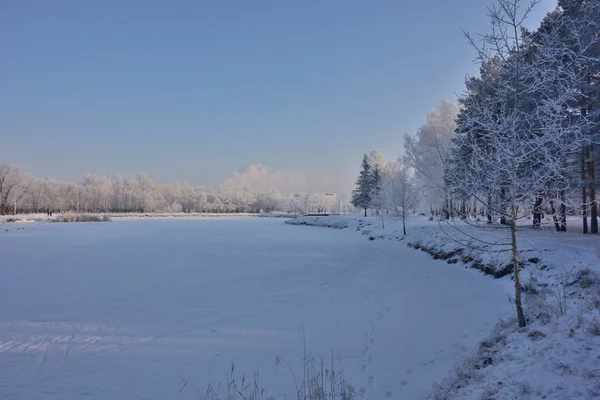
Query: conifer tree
[(362, 194)]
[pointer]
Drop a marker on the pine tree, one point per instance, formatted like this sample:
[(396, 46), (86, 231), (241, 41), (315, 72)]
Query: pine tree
[(362, 195)]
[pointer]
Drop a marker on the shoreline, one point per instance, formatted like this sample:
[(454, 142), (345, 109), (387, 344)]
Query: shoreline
[(555, 356), (36, 218)]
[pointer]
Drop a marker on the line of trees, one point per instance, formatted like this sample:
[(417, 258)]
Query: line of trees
[(528, 125), (385, 186), (526, 132), (523, 139), (22, 193)]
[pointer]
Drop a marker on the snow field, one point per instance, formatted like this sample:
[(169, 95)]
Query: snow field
[(142, 309), (557, 356)]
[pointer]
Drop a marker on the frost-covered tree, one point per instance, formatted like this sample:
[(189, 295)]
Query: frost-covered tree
[(404, 191), (376, 159), (362, 194), (585, 16), (141, 194), (428, 153), (14, 184), (377, 191), (515, 135)]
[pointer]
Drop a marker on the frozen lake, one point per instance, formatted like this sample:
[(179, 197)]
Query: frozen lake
[(131, 309)]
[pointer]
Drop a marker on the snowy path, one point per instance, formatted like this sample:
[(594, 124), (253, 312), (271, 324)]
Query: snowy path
[(130, 309)]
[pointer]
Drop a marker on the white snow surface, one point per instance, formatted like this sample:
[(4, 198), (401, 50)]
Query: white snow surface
[(557, 356), (133, 309), (42, 217)]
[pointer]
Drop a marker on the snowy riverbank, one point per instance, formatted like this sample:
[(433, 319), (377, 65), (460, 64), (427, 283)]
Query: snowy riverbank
[(557, 355), (42, 217)]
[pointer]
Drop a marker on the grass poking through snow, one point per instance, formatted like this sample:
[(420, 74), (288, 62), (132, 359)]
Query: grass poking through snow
[(320, 381)]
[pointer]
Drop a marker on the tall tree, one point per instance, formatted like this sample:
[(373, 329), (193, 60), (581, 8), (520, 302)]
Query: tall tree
[(428, 153), (362, 194), (13, 185), (377, 192)]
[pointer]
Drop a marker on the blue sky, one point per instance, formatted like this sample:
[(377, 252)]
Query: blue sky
[(194, 90)]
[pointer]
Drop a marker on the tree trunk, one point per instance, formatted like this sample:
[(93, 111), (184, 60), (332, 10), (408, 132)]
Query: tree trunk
[(537, 212), (503, 206), (554, 217), (515, 256), (583, 193), (593, 211), (404, 222), (365, 212), (489, 207), (563, 215), (592, 186), (584, 209), (447, 205)]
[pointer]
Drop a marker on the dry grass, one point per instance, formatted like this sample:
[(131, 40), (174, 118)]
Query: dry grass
[(71, 217), (319, 382)]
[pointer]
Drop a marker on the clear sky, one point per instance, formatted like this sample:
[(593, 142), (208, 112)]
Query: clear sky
[(194, 90)]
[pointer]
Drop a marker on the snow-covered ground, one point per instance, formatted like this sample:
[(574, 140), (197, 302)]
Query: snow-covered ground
[(139, 309), (557, 356), (42, 217)]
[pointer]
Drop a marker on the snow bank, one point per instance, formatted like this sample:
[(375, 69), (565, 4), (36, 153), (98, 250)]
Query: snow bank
[(42, 217), (557, 355), (337, 222), (24, 218)]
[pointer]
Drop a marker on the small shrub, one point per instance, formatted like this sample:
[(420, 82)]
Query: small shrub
[(529, 288), (535, 335), (486, 345), (525, 388), (69, 217), (564, 368), (593, 374), (594, 328), (586, 278)]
